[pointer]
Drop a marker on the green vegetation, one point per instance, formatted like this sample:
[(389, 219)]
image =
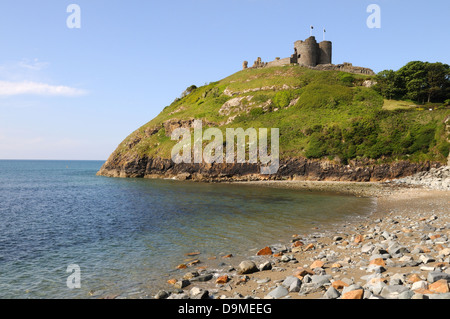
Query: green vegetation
[(398, 104), (418, 81), (320, 114)]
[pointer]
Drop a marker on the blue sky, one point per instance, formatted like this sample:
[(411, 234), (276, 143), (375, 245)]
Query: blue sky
[(77, 93)]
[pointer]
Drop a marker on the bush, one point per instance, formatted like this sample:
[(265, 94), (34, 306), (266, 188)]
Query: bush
[(347, 79), (282, 99), (316, 147), (320, 95), (188, 91), (368, 97), (255, 113), (423, 138), (260, 98)]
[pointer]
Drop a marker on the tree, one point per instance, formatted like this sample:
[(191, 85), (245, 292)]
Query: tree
[(438, 78), (413, 80), (188, 91), (388, 84)]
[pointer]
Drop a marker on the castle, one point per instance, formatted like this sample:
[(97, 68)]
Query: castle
[(313, 55)]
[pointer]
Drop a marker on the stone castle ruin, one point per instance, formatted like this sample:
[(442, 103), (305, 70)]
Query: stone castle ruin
[(313, 55)]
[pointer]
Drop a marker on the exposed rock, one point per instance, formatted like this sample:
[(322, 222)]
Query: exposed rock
[(202, 278), (182, 284), (278, 293), (332, 293), (354, 294), (222, 279), (317, 264), (339, 284), (132, 165), (435, 178), (234, 105), (320, 280), (198, 293), (419, 285), (267, 265), (162, 294), (247, 267), (435, 276), (179, 296), (440, 286), (265, 252)]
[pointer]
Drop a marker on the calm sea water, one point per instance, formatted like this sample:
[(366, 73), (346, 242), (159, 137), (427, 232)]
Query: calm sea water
[(128, 235)]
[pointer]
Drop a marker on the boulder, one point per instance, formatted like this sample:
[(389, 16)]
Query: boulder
[(331, 293), (267, 251), (247, 267), (289, 281), (198, 293), (222, 280), (440, 286), (339, 284), (267, 265), (354, 294), (180, 284), (434, 276), (320, 280), (202, 278), (317, 264), (278, 293), (419, 285)]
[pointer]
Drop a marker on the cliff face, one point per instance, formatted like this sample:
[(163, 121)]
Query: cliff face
[(321, 115), (295, 168)]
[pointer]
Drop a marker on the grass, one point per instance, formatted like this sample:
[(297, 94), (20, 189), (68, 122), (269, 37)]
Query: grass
[(398, 104), (320, 114)]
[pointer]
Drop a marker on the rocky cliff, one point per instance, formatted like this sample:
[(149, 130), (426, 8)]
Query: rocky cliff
[(295, 168)]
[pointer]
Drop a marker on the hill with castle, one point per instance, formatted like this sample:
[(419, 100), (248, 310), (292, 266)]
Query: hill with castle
[(334, 124)]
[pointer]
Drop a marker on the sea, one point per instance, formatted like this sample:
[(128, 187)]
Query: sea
[(66, 233)]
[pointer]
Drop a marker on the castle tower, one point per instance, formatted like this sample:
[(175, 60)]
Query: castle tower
[(307, 51), (325, 51), (311, 53)]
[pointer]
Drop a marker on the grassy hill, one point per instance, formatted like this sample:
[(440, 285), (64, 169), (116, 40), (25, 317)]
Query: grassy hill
[(321, 115)]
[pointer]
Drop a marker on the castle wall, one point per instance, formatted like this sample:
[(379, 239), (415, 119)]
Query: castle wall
[(325, 52), (280, 62), (345, 67)]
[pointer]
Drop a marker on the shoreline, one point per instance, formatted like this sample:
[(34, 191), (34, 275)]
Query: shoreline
[(342, 260), (359, 189)]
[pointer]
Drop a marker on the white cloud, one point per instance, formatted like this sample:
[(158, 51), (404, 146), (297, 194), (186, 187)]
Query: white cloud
[(8, 88), (25, 69), (34, 65), (28, 77)]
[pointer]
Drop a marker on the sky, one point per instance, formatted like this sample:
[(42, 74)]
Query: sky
[(74, 86)]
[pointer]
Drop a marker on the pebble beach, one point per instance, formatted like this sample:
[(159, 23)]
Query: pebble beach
[(400, 251)]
